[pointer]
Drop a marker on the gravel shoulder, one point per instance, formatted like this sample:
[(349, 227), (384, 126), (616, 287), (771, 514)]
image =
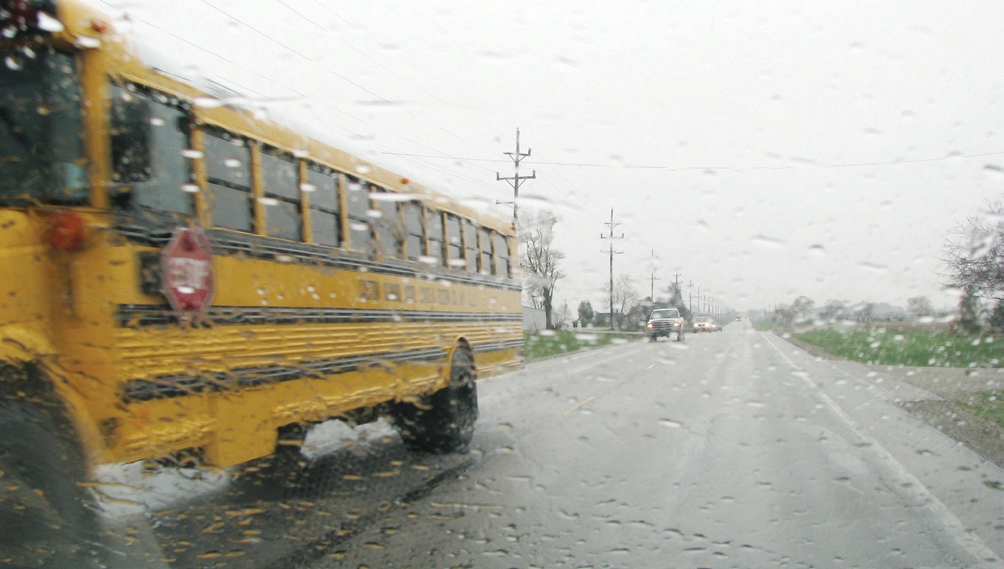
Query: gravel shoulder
[(948, 387)]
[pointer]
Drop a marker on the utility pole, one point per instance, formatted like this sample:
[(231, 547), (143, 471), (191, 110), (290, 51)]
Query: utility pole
[(676, 285), (651, 294), (515, 180), (690, 305), (612, 225)]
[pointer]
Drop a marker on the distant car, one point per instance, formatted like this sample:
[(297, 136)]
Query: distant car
[(666, 322), (705, 324), (739, 318)]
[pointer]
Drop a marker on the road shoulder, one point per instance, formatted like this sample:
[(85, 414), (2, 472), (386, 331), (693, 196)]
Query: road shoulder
[(947, 388)]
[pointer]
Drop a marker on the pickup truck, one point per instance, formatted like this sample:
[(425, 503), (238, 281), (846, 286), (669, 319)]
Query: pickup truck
[(666, 322)]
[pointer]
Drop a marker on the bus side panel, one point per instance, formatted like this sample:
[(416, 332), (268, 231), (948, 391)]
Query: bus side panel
[(36, 293), (25, 284)]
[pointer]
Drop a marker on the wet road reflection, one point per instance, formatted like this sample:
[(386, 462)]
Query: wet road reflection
[(290, 510)]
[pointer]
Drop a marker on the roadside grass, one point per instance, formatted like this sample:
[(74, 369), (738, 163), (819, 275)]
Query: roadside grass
[(764, 325), (986, 404), (545, 343), (907, 347)]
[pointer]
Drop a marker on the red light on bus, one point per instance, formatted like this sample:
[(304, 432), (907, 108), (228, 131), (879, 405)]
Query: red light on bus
[(67, 231)]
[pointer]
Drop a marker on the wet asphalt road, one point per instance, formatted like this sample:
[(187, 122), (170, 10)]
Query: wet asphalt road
[(731, 449)]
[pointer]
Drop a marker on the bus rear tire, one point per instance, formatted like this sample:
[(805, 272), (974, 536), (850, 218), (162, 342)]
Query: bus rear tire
[(47, 519), (444, 421)]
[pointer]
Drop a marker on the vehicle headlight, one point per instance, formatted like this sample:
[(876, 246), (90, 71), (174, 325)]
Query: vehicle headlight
[(649, 325)]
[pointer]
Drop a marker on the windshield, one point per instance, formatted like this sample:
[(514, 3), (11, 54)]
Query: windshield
[(668, 313), (539, 284), (41, 149)]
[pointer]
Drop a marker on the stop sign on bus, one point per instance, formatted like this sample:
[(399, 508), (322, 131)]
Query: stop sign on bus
[(187, 268)]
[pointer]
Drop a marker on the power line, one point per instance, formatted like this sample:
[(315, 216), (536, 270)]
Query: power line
[(255, 30), (332, 72), (303, 16), (807, 164)]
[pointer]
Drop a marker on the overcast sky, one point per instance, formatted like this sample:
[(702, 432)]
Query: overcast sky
[(762, 153)]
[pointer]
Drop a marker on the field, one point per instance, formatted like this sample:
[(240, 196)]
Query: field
[(903, 346)]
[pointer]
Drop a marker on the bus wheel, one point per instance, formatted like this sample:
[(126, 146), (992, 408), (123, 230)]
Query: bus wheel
[(47, 519), (444, 421)]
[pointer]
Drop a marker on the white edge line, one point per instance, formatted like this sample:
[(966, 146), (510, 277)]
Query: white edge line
[(968, 540)]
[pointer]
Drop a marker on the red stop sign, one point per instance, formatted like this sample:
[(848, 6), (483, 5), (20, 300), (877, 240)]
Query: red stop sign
[(187, 268)]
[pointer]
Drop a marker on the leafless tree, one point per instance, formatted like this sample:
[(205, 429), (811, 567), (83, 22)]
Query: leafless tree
[(974, 254), (803, 307), (919, 306), (563, 315), (625, 296), (540, 259), (834, 310)]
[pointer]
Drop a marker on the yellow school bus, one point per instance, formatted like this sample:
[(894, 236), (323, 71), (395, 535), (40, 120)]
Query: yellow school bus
[(179, 275)]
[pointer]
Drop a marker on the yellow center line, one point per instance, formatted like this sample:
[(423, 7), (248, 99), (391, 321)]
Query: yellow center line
[(579, 405)]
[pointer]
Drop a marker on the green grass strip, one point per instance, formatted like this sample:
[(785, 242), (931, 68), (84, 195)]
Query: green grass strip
[(986, 404), (548, 343), (908, 348)]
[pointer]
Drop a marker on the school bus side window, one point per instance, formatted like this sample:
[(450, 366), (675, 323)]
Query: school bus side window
[(280, 175), (415, 238), (390, 230), (471, 246), (454, 243), (228, 177), (502, 265), (149, 140), (485, 244), (325, 219), (434, 227), (41, 153), (357, 194)]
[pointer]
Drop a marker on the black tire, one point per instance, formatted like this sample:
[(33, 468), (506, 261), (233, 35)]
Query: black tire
[(47, 519), (653, 338), (444, 421)]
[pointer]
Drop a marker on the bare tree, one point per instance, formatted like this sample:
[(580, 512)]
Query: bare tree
[(919, 306), (563, 315), (540, 259), (974, 254), (625, 296), (834, 310), (803, 307)]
